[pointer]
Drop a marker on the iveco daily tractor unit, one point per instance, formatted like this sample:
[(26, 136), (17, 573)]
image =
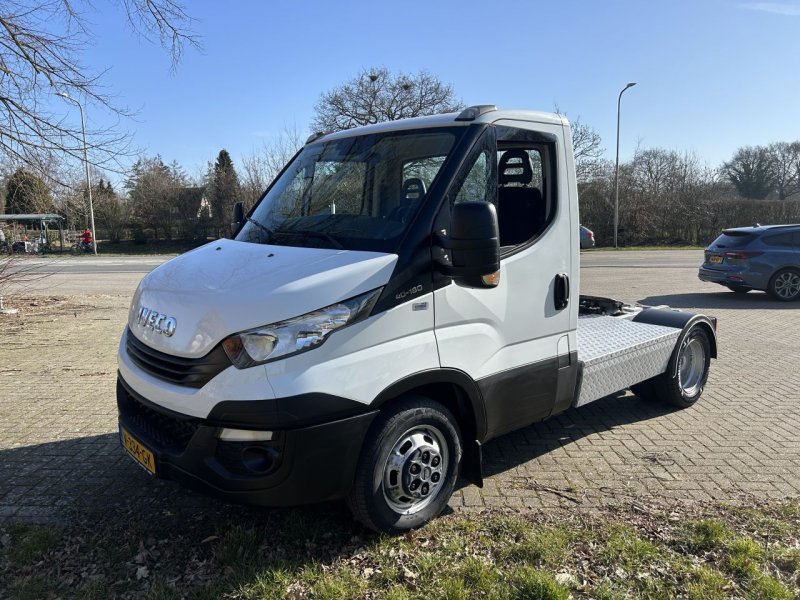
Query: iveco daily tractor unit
[(401, 294)]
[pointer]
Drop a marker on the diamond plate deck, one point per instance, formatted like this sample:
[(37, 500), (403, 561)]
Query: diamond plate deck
[(618, 353)]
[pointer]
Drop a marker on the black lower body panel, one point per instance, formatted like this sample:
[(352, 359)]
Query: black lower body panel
[(296, 466)]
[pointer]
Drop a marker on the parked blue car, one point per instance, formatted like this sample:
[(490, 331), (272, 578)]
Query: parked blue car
[(761, 257), (587, 238)]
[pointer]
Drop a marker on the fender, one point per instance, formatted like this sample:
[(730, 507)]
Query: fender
[(684, 321), (455, 377)]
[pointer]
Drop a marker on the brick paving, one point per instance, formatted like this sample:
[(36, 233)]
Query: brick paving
[(59, 451)]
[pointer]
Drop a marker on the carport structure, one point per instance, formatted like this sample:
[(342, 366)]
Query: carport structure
[(43, 219)]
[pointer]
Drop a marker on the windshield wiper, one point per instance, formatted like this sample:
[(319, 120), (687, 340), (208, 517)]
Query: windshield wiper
[(270, 233), (313, 233)]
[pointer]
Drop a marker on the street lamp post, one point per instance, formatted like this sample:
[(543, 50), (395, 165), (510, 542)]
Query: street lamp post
[(616, 167), (86, 162)]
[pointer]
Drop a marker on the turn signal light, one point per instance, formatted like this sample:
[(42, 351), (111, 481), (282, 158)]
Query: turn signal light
[(492, 279)]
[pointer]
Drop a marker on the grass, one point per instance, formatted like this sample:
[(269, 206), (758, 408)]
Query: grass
[(706, 534), (240, 554)]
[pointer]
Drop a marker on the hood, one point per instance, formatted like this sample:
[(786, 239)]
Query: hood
[(226, 286)]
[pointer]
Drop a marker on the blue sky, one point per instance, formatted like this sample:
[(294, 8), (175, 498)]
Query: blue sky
[(712, 75)]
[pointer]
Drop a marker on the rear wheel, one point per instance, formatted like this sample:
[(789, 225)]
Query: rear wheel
[(408, 467), (785, 285), (684, 386)]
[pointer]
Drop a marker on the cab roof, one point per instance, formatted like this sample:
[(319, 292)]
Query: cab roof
[(474, 114)]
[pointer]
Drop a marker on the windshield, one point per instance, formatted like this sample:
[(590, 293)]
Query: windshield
[(357, 193)]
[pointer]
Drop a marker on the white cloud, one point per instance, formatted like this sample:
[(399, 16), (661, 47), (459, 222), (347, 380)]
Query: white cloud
[(777, 8)]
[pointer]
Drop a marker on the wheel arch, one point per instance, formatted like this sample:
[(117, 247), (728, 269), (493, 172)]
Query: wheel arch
[(456, 391)]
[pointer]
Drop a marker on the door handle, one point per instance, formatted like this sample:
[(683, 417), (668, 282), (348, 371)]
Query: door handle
[(561, 295)]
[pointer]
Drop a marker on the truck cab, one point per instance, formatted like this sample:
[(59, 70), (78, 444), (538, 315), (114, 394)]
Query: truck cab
[(400, 295)]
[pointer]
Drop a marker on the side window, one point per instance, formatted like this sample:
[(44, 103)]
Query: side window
[(526, 194), (514, 167), (781, 240), (475, 184)]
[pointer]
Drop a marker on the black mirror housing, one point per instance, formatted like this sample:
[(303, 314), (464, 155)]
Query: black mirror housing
[(472, 246), (238, 218)]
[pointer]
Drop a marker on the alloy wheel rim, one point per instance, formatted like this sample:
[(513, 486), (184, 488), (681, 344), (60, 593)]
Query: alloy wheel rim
[(787, 285), (415, 469)]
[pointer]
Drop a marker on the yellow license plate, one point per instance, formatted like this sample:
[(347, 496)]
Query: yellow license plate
[(137, 450), (715, 260)]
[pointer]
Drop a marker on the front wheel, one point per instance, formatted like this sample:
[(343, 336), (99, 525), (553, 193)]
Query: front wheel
[(408, 467), (785, 285), (683, 385)]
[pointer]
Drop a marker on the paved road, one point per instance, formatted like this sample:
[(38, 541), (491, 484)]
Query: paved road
[(59, 450), (645, 259), (88, 264), (72, 275)]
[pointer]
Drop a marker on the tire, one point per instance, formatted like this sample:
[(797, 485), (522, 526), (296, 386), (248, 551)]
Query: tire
[(422, 439), (738, 290), (785, 285), (645, 391), (684, 388), (75, 250)]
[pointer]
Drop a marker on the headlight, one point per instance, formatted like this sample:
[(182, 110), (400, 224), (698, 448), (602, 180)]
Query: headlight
[(263, 344)]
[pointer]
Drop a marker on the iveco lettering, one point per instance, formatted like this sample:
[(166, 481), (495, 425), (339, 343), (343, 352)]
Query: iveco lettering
[(401, 294), (156, 321)]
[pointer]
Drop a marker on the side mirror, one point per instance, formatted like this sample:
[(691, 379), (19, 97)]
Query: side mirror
[(238, 218), (472, 248)]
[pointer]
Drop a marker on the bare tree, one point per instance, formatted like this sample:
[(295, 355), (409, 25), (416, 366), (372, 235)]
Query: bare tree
[(41, 42), (586, 148), (376, 95), (786, 165)]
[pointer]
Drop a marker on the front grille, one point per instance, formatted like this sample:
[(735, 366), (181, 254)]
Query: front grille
[(189, 372), (168, 433)]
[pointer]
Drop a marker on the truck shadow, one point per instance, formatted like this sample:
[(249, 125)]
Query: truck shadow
[(726, 300), (534, 441), (92, 479)]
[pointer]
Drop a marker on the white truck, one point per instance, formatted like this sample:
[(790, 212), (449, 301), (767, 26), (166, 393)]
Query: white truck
[(401, 294)]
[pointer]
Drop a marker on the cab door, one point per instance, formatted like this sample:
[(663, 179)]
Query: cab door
[(514, 339)]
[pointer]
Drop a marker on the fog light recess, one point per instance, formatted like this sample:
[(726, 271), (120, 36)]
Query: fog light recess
[(259, 459)]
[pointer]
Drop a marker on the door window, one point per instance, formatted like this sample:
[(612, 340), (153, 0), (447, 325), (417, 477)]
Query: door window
[(526, 201)]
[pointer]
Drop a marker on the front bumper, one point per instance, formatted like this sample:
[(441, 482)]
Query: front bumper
[(299, 465)]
